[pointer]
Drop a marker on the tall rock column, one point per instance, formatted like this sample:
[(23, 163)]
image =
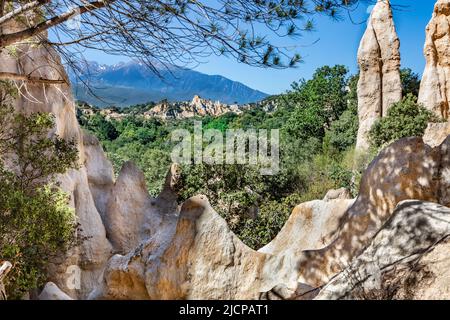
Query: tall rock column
[(435, 86), (379, 84)]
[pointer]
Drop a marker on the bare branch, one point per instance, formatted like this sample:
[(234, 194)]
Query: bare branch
[(17, 12), (30, 79), (11, 38)]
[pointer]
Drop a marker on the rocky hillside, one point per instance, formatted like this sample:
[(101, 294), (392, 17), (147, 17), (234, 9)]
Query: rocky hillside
[(131, 83), (394, 232), (165, 110)]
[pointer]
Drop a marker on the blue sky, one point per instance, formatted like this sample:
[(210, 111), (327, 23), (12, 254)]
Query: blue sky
[(337, 44)]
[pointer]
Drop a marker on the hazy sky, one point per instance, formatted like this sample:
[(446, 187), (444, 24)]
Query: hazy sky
[(337, 44)]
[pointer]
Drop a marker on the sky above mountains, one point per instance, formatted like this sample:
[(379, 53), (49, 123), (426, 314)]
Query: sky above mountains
[(332, 43)]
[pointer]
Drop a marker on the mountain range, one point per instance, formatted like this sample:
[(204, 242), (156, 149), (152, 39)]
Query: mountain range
[(130, 83)]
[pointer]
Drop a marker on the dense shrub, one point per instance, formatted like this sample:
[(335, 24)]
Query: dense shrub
[(406, 118), (36, 222)]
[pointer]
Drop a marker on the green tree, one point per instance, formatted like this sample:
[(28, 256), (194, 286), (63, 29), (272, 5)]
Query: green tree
[(342, 133), (410, 82), (36, 223), (406, 118), (317, 102)]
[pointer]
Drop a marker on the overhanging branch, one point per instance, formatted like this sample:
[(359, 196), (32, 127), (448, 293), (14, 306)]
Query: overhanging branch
[(27, 7), (30, 79), (11, 38)]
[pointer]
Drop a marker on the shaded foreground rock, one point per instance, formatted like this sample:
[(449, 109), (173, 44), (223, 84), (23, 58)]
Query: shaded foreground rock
[(389, 267), (407, 169)]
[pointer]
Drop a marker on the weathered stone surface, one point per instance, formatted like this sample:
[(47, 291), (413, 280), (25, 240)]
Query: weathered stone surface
[(436, 133), (5, 268), (379, 84), (99, 171), (432, 281), (407, 169), (132, 215), (199, 258), (414, 228), (52, 292), (334, 194), (435, 88), (309, 227)]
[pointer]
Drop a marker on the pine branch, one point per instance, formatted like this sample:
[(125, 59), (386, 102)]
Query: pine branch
[(30, 79)]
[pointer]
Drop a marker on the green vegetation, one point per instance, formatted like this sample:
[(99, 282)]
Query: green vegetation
[(255, 206), (318, 125), (406, 118), (36, 222)]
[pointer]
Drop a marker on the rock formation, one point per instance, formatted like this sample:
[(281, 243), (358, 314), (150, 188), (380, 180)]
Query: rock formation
[(138, 247), (436, 133), (407, 169), (435, 85), (414, 228), (198, 257), (196, 107), (309, 227), (52, 292), (165, 110), (5, 268), (132, 215), (379, 84)]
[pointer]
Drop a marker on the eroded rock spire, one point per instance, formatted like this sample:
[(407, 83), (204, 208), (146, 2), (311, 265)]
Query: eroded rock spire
[(435, 86), (379, 85)]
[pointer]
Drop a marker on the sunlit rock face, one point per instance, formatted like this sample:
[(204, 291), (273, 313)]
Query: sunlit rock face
[(52, 292), (436, 133), (435, 85), (379, 84), (197, 107)]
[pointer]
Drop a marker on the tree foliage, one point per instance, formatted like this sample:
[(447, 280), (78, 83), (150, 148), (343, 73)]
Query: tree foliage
[(36, 222), (410, 82), (406, 118)]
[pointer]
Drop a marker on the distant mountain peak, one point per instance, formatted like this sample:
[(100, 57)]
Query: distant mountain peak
[(132, 82)]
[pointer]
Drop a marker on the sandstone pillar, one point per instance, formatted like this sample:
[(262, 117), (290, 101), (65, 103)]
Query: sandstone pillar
[(379, 85)]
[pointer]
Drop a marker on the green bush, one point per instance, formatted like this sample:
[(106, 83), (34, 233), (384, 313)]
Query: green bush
[(36, 223), (342, 133), (406, 118)]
